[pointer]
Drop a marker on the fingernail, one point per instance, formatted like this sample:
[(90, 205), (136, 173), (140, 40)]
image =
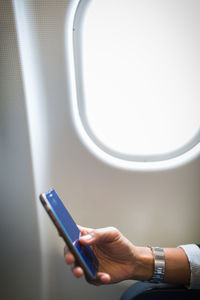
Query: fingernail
[(86, 237), (105, 278)]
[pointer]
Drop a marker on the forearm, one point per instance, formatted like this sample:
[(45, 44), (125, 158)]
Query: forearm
[(177, 266), (177, 269)]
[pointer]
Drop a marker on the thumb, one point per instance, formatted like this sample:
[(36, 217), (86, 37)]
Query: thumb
[(102, 235)]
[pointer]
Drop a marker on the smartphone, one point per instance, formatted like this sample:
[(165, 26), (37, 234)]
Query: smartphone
[(69, 231)]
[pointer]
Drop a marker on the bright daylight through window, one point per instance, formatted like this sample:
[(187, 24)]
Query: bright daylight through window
[(138, 69)]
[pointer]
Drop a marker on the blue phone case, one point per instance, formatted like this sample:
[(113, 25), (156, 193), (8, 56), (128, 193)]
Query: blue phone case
[(69, 231)]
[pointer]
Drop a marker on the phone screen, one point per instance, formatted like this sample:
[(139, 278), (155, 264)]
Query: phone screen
[(72, 233)]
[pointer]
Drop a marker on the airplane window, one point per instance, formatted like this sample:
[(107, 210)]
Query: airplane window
[(137, 67)]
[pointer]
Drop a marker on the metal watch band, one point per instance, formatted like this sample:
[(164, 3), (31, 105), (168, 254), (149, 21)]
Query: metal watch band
[(159, 264)]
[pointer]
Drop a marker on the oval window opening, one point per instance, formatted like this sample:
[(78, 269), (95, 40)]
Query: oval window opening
[(137, 67)]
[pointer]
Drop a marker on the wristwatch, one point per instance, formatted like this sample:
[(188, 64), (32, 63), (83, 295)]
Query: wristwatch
[(159, 264)]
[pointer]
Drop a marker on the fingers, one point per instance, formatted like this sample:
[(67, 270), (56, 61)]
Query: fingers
[(70, 260), (102, 278), (102, 235), (69, 257), (77, 271), (92, 237), (84, 230)]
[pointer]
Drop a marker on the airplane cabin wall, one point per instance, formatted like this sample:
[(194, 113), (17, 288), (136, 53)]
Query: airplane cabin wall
[(20, 274), (40, 149)]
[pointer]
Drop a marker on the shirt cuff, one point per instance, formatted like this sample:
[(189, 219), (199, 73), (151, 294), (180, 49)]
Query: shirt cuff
[(193, 254)]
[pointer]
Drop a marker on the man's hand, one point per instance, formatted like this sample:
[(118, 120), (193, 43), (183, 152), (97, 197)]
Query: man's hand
[(118, 258)]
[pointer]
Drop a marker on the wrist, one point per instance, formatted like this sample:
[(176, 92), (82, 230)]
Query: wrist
[(144, 264)]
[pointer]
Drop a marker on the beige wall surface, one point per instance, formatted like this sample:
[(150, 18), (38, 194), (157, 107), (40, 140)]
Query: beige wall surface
[(20, 252), (40, 148)]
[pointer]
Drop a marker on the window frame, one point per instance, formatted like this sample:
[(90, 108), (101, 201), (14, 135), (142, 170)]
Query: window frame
[(188, 151)]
